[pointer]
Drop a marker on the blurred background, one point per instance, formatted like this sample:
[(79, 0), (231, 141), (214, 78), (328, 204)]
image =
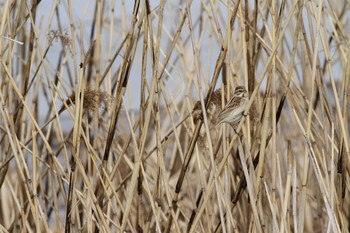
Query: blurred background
[(108, 112)]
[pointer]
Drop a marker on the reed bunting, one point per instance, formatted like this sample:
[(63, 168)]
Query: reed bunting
[(233, 112)]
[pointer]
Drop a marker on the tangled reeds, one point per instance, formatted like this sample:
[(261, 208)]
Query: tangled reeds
[(108, 116)]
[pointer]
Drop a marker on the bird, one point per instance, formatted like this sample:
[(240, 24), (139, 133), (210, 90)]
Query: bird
[(233, 112)]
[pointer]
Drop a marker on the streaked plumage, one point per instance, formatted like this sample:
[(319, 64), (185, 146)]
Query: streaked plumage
[(234, 109)]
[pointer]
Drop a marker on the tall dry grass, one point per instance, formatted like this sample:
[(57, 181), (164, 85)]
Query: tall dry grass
[(102, 127)]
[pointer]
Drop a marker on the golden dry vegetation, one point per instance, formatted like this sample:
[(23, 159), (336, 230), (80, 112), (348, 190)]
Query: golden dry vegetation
[(102, 126)]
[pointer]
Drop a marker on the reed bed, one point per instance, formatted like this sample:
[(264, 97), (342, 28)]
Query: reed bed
[(108, 111)]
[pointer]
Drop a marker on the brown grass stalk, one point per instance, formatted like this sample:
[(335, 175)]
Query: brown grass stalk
[(108, 112)]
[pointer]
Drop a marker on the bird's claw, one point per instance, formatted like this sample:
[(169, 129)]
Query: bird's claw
[(240, 135)]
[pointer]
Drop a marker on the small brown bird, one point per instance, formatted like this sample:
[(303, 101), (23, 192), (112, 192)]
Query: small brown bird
[(233, 112)]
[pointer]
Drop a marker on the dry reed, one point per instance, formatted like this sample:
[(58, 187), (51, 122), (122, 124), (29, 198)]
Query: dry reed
[(135, 148)]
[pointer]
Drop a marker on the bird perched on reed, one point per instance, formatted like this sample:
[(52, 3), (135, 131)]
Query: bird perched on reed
[(233, 112)]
